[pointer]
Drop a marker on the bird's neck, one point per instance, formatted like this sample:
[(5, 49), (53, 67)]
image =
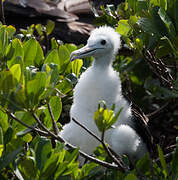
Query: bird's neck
[(103, 62)]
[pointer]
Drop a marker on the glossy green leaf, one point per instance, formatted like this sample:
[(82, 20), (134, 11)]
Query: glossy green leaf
[(17, 53), (39, 29), (39, 58), (132, 4), (36, 87), (7, 81), (8, 135), (130, 177), (64, 54), (1, 141), (16, 71), (3, 41), (50, 166), (53, 57), (30, 52), (148, 26), (42, 152), (25, 117), (4, 121), (56, 106), (27, 168), (64, 86), (163, 4), (162, 160), (11, 31), (76, 66), (49, 27), (61, 168), (167, 21), (27, 138), (123, 27), (6, 159)]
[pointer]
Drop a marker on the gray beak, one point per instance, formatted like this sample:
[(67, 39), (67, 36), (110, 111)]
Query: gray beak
[(83, 52)]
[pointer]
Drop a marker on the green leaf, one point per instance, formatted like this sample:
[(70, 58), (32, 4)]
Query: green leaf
[(39, 55), (1, 141), (11, 31), (8, 135), (30, 52), (4, 121), (56, 106), (76, 66), (123, 28), (64, 86), (27, 168), (26, 117), (167, 21), (163, 4), (174, 163), (53, 57), (163, 162), (72, 157), (64, 54), (50, 166), (17, 53), (7, 158), (148, 26), (36, 87), (61, 168), (42, 152), (16, 71), (3, 41), (49, 27), (130, 177), (7, 81), (132, 4)]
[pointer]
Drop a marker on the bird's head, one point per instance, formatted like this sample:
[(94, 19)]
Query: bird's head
[(103, 41)]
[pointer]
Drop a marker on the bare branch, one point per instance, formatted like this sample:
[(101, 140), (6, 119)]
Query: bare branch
[(91, 158), (107, 149), (26, 125), (55, 127)]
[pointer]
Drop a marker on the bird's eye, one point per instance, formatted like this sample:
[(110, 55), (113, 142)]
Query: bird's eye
[(103, 42)]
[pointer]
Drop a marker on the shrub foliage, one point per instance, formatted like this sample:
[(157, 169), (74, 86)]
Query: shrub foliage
[(36, 82)]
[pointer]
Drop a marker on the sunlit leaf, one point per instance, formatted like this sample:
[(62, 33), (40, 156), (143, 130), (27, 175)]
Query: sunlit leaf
[(30, 51), (16, 71), (49, 27)]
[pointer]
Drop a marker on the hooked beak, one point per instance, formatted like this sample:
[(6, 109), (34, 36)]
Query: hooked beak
[(83, 52)]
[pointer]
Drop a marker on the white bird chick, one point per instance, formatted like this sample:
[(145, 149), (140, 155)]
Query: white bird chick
[(101, 82)]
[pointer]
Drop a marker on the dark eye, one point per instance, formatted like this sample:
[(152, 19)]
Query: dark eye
[(103, 42)]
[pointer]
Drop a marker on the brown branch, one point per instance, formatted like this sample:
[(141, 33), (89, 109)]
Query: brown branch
[(109, 152), (26, 125), (55, 127), (91, 158), (157, 111), (159, 68)]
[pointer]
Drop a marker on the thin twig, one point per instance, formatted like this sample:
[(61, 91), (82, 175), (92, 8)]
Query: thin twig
[(91, 158), (111, 155), (157, 111), (87, 130), (55, 127), (26, 125)]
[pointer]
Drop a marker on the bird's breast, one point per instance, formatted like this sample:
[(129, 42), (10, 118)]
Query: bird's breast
[(94, 86)]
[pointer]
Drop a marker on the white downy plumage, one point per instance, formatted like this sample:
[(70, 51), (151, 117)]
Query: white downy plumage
[(101, 82)]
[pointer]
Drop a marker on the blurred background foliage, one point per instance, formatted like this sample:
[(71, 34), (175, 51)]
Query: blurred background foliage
[(36, 77)]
